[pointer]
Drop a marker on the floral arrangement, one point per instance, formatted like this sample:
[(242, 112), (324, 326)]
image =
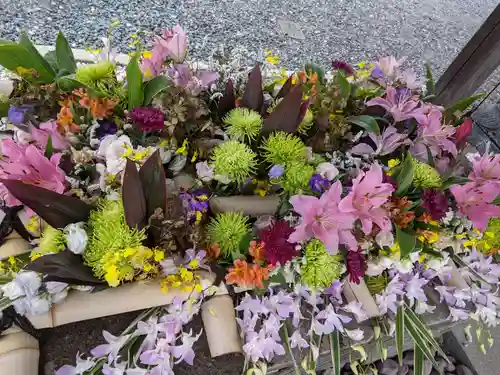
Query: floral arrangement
[(294, 185)]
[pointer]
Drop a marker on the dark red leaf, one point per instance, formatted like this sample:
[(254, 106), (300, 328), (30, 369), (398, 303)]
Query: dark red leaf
[(463, 132), (303, 110), (152, 177), (253, 97), (285, 89), (228, 101), (64, 267), (285, 116), (56, 209), (134, 202)]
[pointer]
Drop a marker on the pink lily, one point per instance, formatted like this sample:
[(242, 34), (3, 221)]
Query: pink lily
[(366, 198), (388, 142), (49, 129), (401, 105), (486, 170), (321, 218), (431, 134), (175, 42), (475, 201), (27, 164)]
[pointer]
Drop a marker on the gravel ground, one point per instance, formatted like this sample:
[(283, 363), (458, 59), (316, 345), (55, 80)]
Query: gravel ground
[(426, 30)]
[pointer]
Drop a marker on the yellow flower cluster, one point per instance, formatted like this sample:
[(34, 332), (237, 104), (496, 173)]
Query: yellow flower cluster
[(364, 70), (185, 280), (131, 263), (10, 266), (270, 58), (137, 155)]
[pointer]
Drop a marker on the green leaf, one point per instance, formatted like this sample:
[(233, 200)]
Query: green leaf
[(366, 122), (413, 321), (335, 351), (311, 67), (345, 86), (38, 59), (405, 176), (430, 158), (418, 361), (51, 58), (4, 106), (406, 241), (459, 107), (429, 83), (154, 87), (454, 180), (14, 56), (134, 83), (49, 150), (65, 57), (496, 201), (400, 333), (245, 243)]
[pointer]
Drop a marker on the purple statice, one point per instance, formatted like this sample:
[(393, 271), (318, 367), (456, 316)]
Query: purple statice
[(276, 171), (435, 202), (331, 321), (195, 203), (106, 127), (148, 119), (343, 66), (16, 115), (319, 184)]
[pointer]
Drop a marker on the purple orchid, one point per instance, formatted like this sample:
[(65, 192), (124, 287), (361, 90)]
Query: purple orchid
[(414, 290), (117, 370), (161, 360), (82, 365), (458, 314), (334, 291), (297, 341), (356, 308), (319, 184), (401, 105), (185, 352), (150, 329), (385, 144), (113, 346), (331, 321)]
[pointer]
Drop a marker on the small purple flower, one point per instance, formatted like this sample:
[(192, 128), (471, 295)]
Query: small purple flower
[(335, 290), (332, 321), (296, 340), (185, 352), (15, 115), (148, 119), (414, 290), (106, 127), (458, 314), (115, 343), (276, 171), (377, 72), (195, 203), (319, 184)]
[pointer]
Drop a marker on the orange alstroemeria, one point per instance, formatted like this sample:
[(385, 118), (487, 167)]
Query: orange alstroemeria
[(256, 250), (247, 275)]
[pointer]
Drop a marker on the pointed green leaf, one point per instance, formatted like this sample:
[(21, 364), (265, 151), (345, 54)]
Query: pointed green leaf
[(37, 58), (311, 67), (454, 180), (429, 83), (430, 158), (65, 57), (459, 107), (345, 86), (406, 241), (4, 105), (418, 361), (400, 333), (496, 201), (154, 87), (14, 56), (405, 176), (366, 122), (421, 343), (134, 83), (335, 351), (49, 150), (51, 58)]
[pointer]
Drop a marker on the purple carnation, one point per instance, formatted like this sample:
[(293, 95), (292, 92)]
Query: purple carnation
[(319, 184), (148, 119), (342, 65), (435, 202)]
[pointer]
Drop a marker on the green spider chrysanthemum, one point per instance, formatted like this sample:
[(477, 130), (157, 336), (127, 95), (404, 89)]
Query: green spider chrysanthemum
[(306, 122), (320, 268), (426, 177), (284, 148), (234, 160), (296, 178), (243, 124), (227, 230), (99, 76), (490, 241), (51, 241), (109, 233)]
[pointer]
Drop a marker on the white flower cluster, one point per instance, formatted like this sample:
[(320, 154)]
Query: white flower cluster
[(29, 295)]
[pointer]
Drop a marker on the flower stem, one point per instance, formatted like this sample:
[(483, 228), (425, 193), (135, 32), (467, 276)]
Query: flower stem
[(286, 341)]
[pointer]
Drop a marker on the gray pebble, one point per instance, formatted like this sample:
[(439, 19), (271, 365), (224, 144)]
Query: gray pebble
[(463, 370), (408, 358), (403, 370), (427, 367), (450, 367), (387, 367)]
